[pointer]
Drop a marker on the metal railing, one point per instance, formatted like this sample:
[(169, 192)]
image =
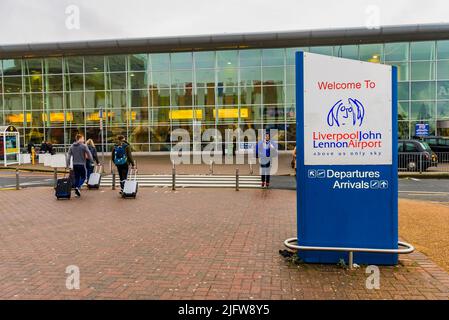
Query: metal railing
[(421, 162), (407, 248)]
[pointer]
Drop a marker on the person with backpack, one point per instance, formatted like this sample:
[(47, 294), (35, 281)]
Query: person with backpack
[(79, 152), (90, 164), (122, 158)]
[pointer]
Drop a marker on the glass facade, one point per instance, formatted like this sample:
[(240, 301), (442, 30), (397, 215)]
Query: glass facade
[(146, 96)]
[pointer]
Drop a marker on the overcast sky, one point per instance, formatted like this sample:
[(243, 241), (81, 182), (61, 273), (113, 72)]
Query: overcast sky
[(25, 21)]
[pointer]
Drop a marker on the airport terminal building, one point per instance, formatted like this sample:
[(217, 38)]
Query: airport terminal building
[(149, 87)]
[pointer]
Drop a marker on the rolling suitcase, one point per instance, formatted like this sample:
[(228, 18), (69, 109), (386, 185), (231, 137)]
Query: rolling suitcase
[(131, 185), (94, 178), (63, 189)]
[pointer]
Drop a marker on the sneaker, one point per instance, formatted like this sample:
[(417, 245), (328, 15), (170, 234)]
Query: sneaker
[(267, 185), (263, 184), (77, 192)]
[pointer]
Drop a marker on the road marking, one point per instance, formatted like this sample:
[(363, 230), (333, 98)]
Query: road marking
[(191, 181)]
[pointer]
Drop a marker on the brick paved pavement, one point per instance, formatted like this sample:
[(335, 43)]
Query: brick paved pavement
[(188, 244)]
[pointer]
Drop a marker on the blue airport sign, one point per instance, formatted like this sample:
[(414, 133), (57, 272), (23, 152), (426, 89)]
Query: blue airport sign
[(422, 129), (346, 161)]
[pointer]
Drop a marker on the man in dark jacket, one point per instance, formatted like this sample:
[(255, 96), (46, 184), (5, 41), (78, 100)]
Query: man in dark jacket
[(79, 152), (122, 158)]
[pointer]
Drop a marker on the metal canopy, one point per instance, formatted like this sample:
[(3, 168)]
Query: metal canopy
[(339, 36)]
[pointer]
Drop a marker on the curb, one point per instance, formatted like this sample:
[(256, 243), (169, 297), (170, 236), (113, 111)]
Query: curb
[(442, 175)]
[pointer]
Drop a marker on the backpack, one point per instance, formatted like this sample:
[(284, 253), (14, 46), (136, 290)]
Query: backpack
[(120, 157)]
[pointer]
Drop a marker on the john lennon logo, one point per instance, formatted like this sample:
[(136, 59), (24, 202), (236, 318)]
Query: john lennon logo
[(344, 114)]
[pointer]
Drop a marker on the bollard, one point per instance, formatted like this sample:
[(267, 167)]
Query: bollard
[(17, 180), (55, 176), (173, 178), (351, 260), (237, 179), (113, 180), (33, 156)]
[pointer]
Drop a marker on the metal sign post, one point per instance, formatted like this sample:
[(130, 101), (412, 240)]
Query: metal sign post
[(101, 112)]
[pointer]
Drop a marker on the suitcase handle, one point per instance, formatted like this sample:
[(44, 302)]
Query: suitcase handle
[(98, 168), (132, 174)]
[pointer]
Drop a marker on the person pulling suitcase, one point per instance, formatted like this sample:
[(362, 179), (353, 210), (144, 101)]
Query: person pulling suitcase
[(79, 152), (122, 158)]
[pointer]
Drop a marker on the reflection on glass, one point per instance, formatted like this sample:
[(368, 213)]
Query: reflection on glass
[(348, 51), (204, 59), (138, 80), (227, 76), (32, 66), (34, 101), (12, 67), (53, 101), (205, 97), (403, 70), (403, 130), (181, 78), (12, 84), (75, 100), (422, 50), (250, 58), (273, 76), (160, 97), (33, 83), (273, 95), (182, 96), (73, 65), (251, 76), (160, 61), (273, 57), (423, 70), (443, 109), (160, 115), (443, 70), (422, 110), (205, 78), (94, 64), (403, 110), (115, 63), (371, 52), (53, 82), (116, 81), (443, 49), (397, 51), (227, 59), (139, 98), (290, 54), (442, 90), (74, 82), (251, 95), (94, 99), (94, 81), (326, 50), (181, 61), (227, 95), (138, 62), (274, 113), (423, 90)]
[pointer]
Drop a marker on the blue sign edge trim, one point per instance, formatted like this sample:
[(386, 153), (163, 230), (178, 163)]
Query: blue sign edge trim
[(299, 137), (394, 142)]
